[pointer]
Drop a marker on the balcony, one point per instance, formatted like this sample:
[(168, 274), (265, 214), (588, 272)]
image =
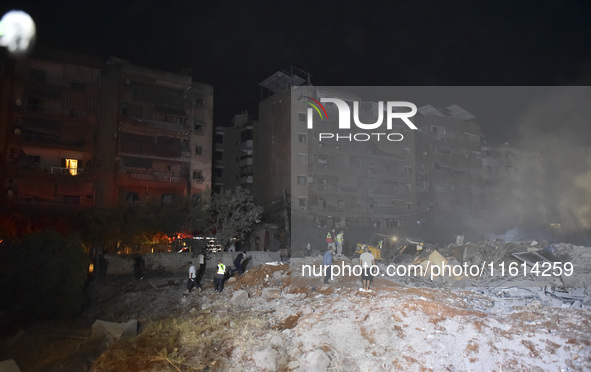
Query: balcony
[(60, 170), (246, 179), (52, 169), (246, 160), (155, 125), (141, 178)]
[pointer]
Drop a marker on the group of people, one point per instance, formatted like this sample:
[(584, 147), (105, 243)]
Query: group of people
[(219, 275), (335, 241), (194, 275), (366, 259)]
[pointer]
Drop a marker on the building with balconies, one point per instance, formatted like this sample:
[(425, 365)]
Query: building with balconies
[(448, 165), (233, 156), (361, 186), (155, 136), (49, 118)]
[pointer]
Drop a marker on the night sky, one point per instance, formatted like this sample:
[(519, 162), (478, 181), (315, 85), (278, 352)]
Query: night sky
[(234, 45)]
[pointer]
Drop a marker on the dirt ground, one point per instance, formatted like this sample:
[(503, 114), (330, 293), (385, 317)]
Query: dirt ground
[(288, 322)]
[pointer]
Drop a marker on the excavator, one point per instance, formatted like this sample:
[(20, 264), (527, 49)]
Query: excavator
[(379, 242)]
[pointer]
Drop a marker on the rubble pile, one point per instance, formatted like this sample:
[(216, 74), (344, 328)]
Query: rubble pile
[(554, 274), (277, 317)]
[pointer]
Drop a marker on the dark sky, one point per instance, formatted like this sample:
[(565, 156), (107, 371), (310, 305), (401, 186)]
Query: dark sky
[(234, 45)]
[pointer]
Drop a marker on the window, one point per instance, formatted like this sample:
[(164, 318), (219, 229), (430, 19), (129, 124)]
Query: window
[(35, 159), (196, 199), (198, 150), (33, 104), (166, 199), (79, 86), (302, 116), (302, 138), (72, 165), (302, 180), (407, 170), (37, 75), (303, 159), (72, 199), (302, 202), (132, 197), (198, 176)]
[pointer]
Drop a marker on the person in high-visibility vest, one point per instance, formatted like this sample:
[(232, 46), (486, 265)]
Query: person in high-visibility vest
[(330, 240), (219, 276)]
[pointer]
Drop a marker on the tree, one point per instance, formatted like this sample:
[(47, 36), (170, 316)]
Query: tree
[(43, 276), (233, 214)]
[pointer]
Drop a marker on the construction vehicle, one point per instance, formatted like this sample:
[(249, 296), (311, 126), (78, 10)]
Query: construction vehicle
[(379, 246)]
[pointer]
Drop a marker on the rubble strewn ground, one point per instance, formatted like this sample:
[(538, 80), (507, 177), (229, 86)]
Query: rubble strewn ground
[(274, 319)]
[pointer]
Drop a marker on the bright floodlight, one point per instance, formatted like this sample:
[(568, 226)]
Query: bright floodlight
[(17, 32)]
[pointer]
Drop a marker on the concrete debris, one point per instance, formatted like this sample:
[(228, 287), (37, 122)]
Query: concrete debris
[(265, 360), (316, 361), (274, 263), (115, 331), (239, 298), (271, 293)]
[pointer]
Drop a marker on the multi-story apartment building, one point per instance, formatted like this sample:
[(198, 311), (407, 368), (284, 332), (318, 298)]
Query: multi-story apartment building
[(49, 119), (219, 173), (232, 158), (245, 126), (336, 184), (155, 136), (448, 165)]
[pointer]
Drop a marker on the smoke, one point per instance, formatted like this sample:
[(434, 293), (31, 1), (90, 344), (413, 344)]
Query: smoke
[(557, 126)]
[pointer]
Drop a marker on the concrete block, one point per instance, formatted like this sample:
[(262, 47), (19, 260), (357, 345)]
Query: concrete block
[(115, 330), (316, 361), (271, 293), (239, 298)]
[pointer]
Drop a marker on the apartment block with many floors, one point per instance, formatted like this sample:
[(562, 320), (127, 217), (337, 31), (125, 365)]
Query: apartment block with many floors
[(155, 136), (49, 119)]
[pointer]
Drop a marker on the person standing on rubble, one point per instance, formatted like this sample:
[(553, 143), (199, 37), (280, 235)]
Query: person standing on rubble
[(238, 262), (192, 278), (327, 263), (330, 239), (366, 260), (219, 276), (340, 237), (201, 260)]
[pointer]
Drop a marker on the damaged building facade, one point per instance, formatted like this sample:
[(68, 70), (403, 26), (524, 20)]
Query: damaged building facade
[(327, 182), (448, 166), (438, 181), (77, 131)]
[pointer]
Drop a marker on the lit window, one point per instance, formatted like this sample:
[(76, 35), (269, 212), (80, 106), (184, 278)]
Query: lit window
[(72, 165)]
